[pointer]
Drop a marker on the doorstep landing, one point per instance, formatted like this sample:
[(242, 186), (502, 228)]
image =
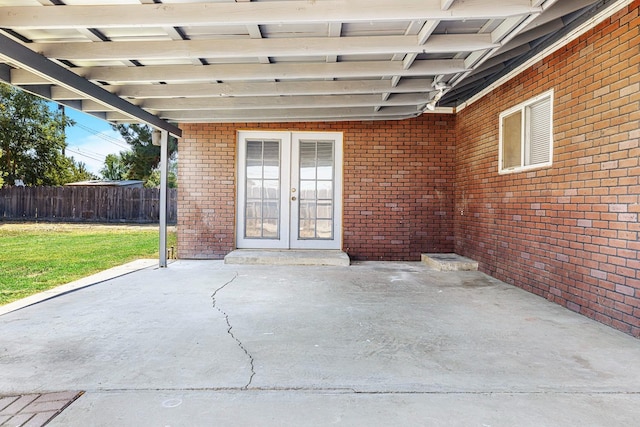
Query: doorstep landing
[(449, 262), (287, 257)]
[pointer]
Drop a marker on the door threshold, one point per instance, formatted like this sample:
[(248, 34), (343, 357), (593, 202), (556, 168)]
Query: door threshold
[(287, 257)]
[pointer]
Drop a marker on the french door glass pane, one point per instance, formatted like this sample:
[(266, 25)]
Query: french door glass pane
[(308, 160), (325, 209), (307, 209), (324, 229), (316, 190), (307, 190), (262, 204), (325, 160), (325, 190)]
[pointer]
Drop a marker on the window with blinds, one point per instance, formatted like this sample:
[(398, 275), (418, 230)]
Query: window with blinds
[(526, 135)]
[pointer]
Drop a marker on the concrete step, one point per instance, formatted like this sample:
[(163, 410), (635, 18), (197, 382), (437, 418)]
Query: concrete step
[(449, 262), (287, 257)]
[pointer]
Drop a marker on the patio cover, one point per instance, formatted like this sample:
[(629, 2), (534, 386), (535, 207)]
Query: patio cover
[(170, 61)]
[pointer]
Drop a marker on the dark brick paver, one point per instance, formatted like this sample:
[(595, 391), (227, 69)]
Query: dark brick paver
[(34, 410)]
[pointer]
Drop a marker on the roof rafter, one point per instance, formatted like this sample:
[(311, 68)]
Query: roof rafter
[(273, 102), (292, 114), (416, 28), (253, 89), (504, 33), (446, 4), (254, 33), (254, 60), (240, 48), (252, 72), (249, 13)]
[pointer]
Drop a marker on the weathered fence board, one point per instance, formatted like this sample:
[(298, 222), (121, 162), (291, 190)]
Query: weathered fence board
[(90, 204)]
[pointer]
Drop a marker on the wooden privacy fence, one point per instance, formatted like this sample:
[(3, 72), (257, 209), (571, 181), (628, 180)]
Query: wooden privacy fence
[(88, 204)]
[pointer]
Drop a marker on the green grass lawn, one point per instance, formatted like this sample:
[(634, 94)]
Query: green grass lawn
[(37, 257)]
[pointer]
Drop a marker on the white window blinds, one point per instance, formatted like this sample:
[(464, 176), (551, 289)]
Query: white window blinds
[(526, 135), (540, 132)]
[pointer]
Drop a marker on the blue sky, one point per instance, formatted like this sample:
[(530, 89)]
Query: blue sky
[(91, 139)]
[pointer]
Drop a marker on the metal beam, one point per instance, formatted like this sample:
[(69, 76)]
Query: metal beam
[(16, 53), (251, 13), (43, 91), (5, 73), (164, 158)]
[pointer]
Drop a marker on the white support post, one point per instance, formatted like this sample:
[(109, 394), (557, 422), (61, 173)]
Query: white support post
[(164, 142)]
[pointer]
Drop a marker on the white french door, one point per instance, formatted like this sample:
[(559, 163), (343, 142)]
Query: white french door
[(289, 190)]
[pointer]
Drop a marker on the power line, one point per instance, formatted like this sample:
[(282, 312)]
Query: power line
[(103, 136), (88, 156), (94, 131), (90, 152)]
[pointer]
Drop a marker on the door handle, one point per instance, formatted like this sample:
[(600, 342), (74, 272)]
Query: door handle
[(293, 198)]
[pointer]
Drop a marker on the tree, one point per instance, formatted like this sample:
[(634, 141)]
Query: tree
[(78, 172), (32, 140), (172, 176), (69, 170), (144, 157), (114, 168)]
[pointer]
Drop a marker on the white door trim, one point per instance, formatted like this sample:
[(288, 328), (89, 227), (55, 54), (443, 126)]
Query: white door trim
[(282, 242), (289, 179), (336, 242)]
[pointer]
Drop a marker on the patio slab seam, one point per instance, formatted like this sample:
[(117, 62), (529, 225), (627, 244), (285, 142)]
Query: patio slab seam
[(82, 283), (356, 391)]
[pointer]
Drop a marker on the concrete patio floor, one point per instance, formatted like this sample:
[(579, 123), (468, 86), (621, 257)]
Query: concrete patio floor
[(203, 343)]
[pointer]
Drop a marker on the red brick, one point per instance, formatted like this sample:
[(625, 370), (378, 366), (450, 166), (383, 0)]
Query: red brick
[(595, 165), (430, 184), (395, 166)]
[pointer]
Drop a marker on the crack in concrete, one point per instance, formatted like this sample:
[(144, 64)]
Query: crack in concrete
[(231, 334)]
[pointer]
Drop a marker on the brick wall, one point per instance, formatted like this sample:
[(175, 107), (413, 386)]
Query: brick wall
[(398, 186), (206, 191), (398, 189), (568, 233)]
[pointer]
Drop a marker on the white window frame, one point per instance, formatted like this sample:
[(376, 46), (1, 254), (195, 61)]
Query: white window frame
[(525, 135)]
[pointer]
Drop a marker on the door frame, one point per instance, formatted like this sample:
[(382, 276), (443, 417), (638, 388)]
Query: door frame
[(288, 235), (336, 242)]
